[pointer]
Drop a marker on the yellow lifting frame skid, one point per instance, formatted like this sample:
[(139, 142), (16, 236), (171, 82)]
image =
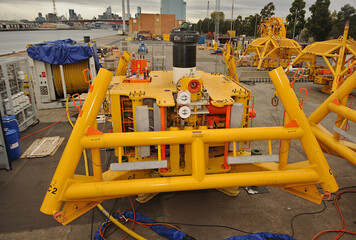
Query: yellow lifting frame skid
[(339, 56), (80, 193)]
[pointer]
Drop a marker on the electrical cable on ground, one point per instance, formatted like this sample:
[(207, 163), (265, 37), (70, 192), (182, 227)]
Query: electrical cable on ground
[(307, 213), (207, 225), (336, 203), (343, 222), (44, 128), (120, 225)]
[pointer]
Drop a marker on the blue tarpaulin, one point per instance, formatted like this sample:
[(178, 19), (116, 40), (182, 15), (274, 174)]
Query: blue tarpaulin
[(172, 234), (62, 52), (262, 236)]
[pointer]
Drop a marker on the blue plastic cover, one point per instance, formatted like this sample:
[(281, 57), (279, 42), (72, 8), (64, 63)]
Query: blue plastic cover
[(172, 234), (62, 52), (262, 236)]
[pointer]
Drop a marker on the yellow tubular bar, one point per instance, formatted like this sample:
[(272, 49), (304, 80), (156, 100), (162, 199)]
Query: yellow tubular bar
[(323, 110), (102, 190), (335, 145), (198, 160), (343, 111), (339, 119), (72, 153), (96, 160), (124, 61), (284, 151), (269, 148), (187, 136), (308, 140), (84, 151), (117, 223)]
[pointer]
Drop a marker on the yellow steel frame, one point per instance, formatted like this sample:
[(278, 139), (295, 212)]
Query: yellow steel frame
[(80, 193), (276, 24), (336, 103), (272, 51), (335, 53)]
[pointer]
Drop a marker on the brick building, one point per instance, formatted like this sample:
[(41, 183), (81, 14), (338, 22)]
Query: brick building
[(157, 24)]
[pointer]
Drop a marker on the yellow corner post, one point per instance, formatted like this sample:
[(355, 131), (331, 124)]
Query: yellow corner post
[(73, 151), (308, 140)]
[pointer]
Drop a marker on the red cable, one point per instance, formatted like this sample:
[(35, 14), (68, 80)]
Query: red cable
[(134, 220), (343, 222), (44, 128)]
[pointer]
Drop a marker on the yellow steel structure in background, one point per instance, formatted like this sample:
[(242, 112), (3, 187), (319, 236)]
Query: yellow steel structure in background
[(230, 62), (71, 195), (339, 56), (124, 61), (273, 49), (275, 24), (336, 103)]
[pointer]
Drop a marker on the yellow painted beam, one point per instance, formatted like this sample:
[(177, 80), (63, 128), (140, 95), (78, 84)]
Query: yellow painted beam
[(320, 113), (343, 111), (198, 160), (81, 191), (187, 136), (335, 145)]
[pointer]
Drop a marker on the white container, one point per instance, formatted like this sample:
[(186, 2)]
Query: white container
[(27, 100), (21, 76)]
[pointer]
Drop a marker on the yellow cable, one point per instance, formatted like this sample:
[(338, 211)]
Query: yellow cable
[(117, 223), (84, 152), (112, 219)]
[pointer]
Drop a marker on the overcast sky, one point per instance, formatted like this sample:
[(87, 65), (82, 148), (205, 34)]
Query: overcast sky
[(196, 9)]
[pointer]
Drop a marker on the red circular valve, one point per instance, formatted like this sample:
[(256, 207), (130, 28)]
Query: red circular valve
[(194, 86)]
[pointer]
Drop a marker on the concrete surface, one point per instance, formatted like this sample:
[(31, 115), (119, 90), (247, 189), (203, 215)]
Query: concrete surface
[(22, 189)]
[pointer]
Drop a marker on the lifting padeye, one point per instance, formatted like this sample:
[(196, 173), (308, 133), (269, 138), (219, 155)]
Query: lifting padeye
[(162, 149)]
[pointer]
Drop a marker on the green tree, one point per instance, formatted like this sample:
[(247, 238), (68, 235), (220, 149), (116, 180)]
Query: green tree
[(347, 13), (225, 26), (339, 19), (238, 25), (319, 23), (216, 14), (250, 25), (267, 11), (296, 18)]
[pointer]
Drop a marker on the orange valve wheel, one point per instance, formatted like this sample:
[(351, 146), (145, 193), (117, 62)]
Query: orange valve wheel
[(194, 86)]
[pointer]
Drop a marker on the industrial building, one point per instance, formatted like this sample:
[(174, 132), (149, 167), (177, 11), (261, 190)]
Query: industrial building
[(157, 24)]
